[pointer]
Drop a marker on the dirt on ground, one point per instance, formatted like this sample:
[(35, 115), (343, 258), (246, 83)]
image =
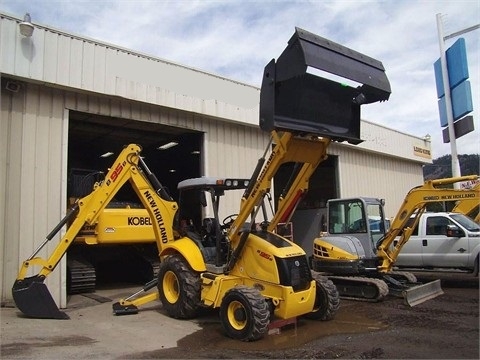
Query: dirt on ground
[(446, 327)]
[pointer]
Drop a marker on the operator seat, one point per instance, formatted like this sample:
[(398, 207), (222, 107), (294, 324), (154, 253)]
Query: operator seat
[(209, 226)]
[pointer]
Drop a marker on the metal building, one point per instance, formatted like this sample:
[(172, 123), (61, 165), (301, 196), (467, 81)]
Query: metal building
[(66, 100)]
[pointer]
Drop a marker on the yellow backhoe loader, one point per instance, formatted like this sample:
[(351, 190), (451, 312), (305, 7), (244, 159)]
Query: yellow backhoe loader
[(261, 276), (358, 252)]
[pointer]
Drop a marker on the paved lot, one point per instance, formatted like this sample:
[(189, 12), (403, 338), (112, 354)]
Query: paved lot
[(445, 327)]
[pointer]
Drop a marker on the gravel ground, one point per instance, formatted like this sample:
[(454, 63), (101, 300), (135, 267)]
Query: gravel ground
[(446, 327)]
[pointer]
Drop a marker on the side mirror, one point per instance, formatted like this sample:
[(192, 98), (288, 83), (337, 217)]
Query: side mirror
[(454, 231)]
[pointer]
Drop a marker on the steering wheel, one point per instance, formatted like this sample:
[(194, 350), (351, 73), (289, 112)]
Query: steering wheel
[(229, 220)]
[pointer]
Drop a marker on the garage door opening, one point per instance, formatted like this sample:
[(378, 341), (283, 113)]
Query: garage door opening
[(122, 256)]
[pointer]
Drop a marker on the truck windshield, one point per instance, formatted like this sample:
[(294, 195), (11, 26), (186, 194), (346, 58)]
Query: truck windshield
[(466, 222)]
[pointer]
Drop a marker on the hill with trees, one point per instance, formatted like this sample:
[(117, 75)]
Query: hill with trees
[(442, 167)]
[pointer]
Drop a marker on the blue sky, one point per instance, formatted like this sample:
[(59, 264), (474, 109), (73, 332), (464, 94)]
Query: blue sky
[(236, 39)]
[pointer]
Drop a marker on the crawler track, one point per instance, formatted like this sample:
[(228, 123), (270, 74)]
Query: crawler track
[(360, 288)]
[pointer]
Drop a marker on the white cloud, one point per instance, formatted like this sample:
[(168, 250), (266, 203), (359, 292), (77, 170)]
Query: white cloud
[(236, 39)]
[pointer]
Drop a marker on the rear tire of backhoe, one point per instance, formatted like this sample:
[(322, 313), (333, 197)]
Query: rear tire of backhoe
[(178, 288), (327, 299), (244, 314)]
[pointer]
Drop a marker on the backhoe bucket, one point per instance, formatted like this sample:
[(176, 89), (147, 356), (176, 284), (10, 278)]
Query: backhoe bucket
[(421, 293), (34, 300), (296, 101)]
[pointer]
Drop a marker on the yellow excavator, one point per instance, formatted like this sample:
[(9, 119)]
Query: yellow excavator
[(469, 207), (260, 275), (358, 252), (122, 233)]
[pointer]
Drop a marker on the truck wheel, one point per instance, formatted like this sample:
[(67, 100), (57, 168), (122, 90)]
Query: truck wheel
[(244, 314), (178, 288), (327, 299)]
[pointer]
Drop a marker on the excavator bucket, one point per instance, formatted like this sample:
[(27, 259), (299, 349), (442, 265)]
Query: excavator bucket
[(294, 100), (34, 300)]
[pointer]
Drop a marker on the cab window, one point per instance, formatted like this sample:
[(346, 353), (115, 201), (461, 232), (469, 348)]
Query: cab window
[(437, 225)]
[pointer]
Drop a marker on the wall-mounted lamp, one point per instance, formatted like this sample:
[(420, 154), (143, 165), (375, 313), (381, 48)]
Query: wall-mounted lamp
[(26, 26), (12, 86), (427, 138)]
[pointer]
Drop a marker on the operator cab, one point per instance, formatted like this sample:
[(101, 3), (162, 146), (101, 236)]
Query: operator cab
[(362, 216), (201, 217)]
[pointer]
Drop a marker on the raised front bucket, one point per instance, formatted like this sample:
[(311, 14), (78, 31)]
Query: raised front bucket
[(291, 99), (34, 300)]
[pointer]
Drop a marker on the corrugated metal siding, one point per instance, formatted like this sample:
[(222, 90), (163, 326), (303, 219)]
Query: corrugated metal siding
[(363, 173), (33, 200), (383, 140), (68, 60), (233, 151)]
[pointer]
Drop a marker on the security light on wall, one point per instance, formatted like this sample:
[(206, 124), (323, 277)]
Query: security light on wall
[(167, 145), (107, 154), (26, 26)]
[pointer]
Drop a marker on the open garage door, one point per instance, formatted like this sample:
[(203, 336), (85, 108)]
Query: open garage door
[(126, 252)]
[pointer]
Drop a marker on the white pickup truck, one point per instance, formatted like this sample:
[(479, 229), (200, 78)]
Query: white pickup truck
[(442, 241)]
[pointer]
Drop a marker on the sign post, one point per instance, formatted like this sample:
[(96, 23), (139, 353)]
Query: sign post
[(460, 71)]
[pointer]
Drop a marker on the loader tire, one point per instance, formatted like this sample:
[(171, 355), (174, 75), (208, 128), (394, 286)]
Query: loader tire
[(244, 314), (327, 299), (178, 288)]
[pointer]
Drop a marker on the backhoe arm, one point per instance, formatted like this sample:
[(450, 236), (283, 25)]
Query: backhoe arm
[(87, 209), (29, 293), (414, 204)]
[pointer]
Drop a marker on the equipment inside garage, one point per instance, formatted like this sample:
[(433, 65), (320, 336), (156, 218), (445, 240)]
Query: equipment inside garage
[(121, 247)]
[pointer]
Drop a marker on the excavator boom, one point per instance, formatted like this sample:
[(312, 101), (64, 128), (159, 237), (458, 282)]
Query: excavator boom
[(469, 207), (415, 203)]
